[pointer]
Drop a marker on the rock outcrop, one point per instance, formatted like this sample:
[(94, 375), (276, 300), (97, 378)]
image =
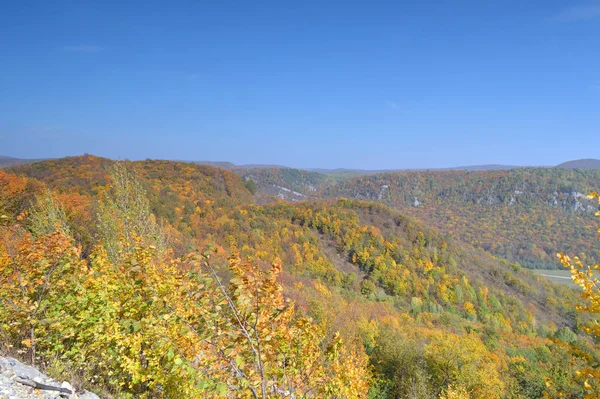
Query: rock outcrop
[(20, 381)]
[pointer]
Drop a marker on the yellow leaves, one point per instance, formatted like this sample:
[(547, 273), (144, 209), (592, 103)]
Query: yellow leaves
[(469, 308), (369, 329), (465, 281), (517, 359), (256, 315), (322, 289), (428, 266), (464, 361), (455, 392), (584, 277), (32, 278)]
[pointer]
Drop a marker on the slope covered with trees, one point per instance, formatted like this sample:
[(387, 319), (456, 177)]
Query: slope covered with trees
[(433, 316), (179, 193), (284, 183), (509, 213), (524, 215), (140, 322)]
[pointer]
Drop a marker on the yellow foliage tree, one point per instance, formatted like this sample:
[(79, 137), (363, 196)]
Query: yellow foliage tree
[(261, 349), (464, 365), (135, 318), (453, 392), (585, 277)]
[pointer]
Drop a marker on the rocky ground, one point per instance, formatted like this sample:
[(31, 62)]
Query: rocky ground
[(18, 380)]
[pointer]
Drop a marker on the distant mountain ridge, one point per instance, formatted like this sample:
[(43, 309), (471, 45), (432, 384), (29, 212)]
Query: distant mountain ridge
[(7, 162), (484, 167), (358, 172), (589, 163), (230, 165), (349, 172)]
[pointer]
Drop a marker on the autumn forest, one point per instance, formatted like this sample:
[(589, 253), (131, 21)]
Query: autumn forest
[(164, 279)]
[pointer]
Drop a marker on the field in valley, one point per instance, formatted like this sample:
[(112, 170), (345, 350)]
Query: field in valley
[(562, 277)]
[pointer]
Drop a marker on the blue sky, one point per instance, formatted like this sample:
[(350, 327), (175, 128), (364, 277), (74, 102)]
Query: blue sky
[(356, 84)]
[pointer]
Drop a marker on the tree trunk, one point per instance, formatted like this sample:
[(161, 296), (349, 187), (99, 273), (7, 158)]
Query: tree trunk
[(32, 337)]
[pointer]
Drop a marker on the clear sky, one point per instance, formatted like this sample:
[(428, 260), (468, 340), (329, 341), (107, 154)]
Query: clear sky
[(356, 84)]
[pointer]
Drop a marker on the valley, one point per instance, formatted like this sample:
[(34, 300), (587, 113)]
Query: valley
[(557, 276)]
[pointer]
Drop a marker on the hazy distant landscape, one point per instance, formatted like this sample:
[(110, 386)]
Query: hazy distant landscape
[(7, 161)]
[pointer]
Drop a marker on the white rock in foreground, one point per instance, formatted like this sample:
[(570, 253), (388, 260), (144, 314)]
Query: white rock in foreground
[(20, 381)]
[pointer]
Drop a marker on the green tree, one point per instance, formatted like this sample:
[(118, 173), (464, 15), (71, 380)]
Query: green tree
[(251, 186), (47, 216), (124, 215)]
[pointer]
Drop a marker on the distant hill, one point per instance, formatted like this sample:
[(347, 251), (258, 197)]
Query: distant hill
[(483, 167), (7, 162), (285, 183), (230, 165), (581, 164), (347, 172), (217, 164), (341, 172)]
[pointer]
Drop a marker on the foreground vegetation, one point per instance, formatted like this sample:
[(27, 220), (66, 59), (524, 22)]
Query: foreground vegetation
[(163, 279), (144, 323)]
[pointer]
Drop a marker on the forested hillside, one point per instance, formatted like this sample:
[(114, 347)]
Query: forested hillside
[(524, 215), (285, 183), (381, 302)]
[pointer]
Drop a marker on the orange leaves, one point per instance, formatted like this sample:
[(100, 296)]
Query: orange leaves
[(32, 274), (15, 195), (12, 186)]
